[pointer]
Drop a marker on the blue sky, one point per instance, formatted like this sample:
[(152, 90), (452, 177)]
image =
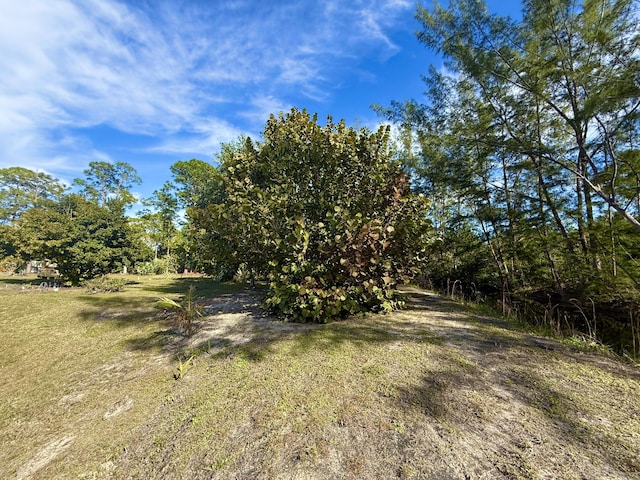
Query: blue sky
[(153, 82)]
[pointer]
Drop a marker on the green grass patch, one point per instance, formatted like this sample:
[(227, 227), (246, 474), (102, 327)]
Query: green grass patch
[(69, 359)]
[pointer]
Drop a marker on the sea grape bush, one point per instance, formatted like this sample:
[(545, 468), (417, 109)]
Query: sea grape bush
[(324, 213)]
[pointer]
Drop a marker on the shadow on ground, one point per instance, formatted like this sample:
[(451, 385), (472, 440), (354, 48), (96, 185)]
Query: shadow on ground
[(138, 303), (205, 287), (491, 371), (487, 400)]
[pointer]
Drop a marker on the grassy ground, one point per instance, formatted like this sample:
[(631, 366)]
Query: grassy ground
[(435, 391)]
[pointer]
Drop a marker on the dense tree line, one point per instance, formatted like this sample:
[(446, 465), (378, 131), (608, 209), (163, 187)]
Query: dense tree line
[(528, 147)]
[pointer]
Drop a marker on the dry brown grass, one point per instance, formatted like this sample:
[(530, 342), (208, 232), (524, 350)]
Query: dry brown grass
[(433, 391)]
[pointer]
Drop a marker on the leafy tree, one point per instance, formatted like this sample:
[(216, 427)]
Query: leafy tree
[(84, 239), (162, 218), (198, 182), (578, 62), (21, 189), (108, 183), (6, 247), (8, 261), (324, 212), (624, 183), (149, 230)]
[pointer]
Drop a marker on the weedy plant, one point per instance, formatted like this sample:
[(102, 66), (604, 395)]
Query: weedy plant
[(182, 367), (184, 311)]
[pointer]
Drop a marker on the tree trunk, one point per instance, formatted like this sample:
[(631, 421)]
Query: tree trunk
[(543, 191), (582, 233)]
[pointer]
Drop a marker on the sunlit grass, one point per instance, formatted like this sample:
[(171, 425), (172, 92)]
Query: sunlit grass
[(106, 387), (67, 358)]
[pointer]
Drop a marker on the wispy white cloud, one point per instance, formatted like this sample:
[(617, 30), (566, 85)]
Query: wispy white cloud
[(260, 107), (169, 70), (202, 139)]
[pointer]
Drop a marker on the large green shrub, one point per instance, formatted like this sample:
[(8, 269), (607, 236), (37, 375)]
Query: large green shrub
[(105, 284), (324, 212)]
